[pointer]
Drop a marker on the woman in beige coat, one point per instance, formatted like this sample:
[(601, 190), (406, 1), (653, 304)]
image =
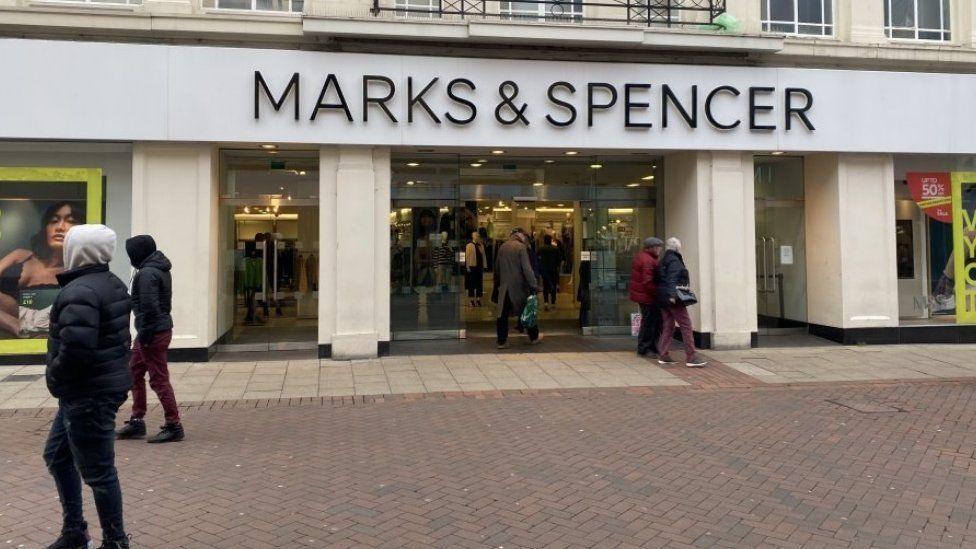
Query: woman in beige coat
[(475, 261)]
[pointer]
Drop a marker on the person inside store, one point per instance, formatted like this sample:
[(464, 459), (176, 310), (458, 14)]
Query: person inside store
[(515, 281), (475, 261), (673, 297), (152, 303), (643, 292), (88, 373), (550, 259), (28, 277)]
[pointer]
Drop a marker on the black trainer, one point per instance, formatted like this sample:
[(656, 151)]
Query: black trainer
[(115, 544), (171, 432), (74, 539), (134, 428)]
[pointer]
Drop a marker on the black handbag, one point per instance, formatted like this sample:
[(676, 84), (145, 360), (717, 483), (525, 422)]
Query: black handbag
[(684, 296)]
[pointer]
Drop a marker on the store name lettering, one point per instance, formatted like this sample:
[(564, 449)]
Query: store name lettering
[(566, 104)]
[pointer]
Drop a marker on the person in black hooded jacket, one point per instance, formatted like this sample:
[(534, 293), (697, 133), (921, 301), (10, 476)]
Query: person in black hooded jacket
[(152, 303), (87, 352)]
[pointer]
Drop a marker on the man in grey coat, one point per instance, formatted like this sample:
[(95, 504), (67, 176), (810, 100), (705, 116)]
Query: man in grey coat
[(514, 282)]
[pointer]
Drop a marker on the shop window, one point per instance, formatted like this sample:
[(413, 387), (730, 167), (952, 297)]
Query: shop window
[(286, 6), (802, 17), (917, 19)]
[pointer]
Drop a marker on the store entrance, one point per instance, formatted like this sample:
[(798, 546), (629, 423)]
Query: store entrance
[(269, 227), (450, 213), (781, 281)]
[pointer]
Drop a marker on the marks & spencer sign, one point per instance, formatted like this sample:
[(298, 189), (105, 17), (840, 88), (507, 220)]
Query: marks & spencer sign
[(632, 105)]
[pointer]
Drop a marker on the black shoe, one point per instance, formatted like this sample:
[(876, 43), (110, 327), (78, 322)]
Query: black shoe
[(134, 428), (115, 544), (666, 359), (168, 433), (74, 539)]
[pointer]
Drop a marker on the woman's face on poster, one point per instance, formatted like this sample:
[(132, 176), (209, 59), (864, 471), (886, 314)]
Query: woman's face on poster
[(56, 226)]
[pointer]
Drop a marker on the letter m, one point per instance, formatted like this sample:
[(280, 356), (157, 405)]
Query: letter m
[(260, 84)]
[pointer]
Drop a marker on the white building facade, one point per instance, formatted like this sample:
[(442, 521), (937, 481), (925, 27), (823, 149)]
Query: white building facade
[(315, 170)]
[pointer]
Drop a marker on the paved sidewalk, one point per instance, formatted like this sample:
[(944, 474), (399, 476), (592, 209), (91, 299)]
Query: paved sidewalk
[(23, 387)]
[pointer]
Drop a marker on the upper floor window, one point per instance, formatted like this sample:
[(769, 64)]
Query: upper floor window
[(293, 6), (917, 19), (808, 17)]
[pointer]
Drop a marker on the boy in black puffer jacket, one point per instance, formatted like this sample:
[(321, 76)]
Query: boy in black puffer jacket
[(152, 302), (87, 357)]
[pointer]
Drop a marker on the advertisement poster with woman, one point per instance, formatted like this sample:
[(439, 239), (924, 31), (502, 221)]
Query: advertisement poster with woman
[(37, 208)]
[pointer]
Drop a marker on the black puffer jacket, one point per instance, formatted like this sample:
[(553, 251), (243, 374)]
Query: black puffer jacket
[(152, 296), (671, 272), (88, 351)]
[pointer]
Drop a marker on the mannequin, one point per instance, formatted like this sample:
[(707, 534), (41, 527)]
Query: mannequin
[(475, 260), (444, 262)]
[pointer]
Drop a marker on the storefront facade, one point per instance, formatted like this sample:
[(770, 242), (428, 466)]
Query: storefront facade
[(788, 186)]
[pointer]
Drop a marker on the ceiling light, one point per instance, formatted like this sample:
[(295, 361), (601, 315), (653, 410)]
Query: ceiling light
[(247, 210), (777, 153), (269, 146), (571, 153), (272, 152), (501, 204), (301, 172), (497, 151), (633, 184), (482, 161), (537, 184), (476, 164), (413, 164), (596, 166), (549, 161), (409, 182), (560, 205), (647, 178)]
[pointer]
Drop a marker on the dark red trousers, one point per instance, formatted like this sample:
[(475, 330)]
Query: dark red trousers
[(151, 358), (669, 316)]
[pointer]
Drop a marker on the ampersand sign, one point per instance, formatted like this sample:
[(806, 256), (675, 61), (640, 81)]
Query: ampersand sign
[(508, 90)]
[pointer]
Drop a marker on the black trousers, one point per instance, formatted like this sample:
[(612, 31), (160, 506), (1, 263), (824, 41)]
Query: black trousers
[(550, 286), (650, 329), (81, 446), (474, 281), (502, 323)]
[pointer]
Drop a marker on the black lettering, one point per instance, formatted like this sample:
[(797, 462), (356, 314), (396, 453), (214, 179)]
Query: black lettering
[(591, 106), (260, 84), (564, 104), (460, 100), (628, 105), (381, 101), (419, 100), (708, 107), (669, 98), (800, 112), (755, 109), (331, 81)]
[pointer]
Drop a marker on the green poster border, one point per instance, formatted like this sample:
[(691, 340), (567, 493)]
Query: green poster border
[(92, 177), (958, 247)]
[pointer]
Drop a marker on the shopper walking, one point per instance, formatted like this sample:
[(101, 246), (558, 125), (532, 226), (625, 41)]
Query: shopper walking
[(672, 283), (550, 258), (643, 291), (152, 302), (515, 281), (475, 261), (88, 350)]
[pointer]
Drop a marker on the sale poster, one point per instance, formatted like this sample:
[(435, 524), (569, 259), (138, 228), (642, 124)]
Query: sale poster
[(932, 191)]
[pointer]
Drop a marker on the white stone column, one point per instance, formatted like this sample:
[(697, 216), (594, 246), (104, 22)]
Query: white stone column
[(709, 206), (749, 14), (354, 266), (174, 199), (850, 232), (860, 22)]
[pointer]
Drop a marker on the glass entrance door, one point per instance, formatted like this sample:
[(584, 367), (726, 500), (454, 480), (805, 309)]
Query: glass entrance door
[(781, 287)]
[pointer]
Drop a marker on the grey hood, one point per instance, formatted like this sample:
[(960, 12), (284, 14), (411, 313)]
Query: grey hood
[(88, 245)]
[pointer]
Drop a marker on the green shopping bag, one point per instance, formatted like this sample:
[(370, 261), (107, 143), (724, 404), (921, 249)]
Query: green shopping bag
[(530, 314)]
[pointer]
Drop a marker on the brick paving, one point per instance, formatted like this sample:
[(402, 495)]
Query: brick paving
[(706, 465)]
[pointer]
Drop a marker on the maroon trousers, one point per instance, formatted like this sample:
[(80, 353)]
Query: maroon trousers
[(669, 316), (151, 358)]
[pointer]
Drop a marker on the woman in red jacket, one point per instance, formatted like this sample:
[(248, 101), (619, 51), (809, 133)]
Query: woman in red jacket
[(643, 292)]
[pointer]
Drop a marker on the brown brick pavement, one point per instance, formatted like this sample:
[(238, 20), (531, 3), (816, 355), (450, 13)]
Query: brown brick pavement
[(778, 467)]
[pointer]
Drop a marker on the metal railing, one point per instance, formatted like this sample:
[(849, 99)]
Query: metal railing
[(665, 13)]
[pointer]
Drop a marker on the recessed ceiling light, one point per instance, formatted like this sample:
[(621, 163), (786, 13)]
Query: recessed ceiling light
[(549, 161), (272, 152), (413, 164), (497, 151), (302, 172), (596, 166), (409, 182), (269, 146), (560, 205), (777, 153), (482, 161), (537, 184), (476, 164), (571, 153), (647, 178), (633, 184)]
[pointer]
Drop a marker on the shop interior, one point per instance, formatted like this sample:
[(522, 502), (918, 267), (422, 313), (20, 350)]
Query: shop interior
[(269, 227), (586, 216)]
